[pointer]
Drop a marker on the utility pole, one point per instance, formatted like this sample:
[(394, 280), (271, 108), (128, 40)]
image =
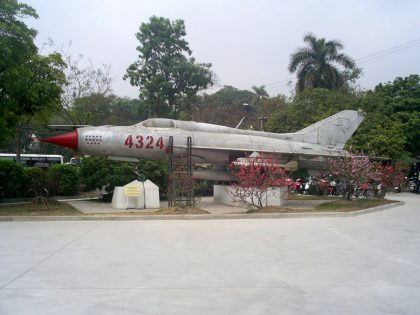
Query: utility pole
[(262, 119)]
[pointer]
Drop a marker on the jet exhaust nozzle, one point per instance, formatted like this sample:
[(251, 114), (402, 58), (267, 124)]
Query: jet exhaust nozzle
[(68, 140)]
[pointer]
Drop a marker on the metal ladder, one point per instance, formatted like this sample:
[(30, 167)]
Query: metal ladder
[(181, 184)]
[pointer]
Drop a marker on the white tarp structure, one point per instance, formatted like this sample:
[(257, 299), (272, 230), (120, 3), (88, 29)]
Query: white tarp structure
[(136, 195), (151, 195)]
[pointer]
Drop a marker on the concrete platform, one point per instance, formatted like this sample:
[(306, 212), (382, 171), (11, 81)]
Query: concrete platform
[(366, 264), (94, 206), (205, 203)]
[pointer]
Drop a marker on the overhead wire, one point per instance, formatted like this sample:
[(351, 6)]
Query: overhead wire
[(389, 51)]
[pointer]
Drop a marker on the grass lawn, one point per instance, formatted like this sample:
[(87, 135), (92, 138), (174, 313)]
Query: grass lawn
[(335, 205), (64, 209), (352, 205), (310, 197), (55, 209)]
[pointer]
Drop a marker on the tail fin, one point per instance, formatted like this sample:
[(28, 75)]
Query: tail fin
[(333, 131)]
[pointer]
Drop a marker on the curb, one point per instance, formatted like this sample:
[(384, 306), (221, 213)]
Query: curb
[(201, 216)]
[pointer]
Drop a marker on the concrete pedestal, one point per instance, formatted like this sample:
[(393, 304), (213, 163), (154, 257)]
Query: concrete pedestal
[(274, 196)]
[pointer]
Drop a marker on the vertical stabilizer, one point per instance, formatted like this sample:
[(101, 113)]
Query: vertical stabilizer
[(333, 131)]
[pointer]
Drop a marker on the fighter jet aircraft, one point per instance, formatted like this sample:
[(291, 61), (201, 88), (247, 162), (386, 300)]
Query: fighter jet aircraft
[(215, 145)]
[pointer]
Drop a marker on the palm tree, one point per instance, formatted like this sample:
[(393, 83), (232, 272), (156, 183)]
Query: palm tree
[(260, 93), (316, 63)]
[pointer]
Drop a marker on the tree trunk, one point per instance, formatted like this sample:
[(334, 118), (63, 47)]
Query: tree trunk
[(18, 144)]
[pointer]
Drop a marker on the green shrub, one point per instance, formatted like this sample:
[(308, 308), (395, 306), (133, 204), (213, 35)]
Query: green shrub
[(63, 180), (37, 182), (101, 173), (202, 187), (98, 173), (94, 172), (156, 171), (12, 179)]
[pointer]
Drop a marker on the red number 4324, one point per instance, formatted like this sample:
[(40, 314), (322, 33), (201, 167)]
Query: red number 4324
[(141, 142)]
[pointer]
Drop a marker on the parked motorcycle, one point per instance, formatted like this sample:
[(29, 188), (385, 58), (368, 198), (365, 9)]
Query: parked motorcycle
[(297, 186), (412, 183), (327, 186), (309, 185), (365, 190)]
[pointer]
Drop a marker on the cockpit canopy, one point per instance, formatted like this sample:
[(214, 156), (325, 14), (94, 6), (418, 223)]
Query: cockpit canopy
[(158, 123), (184, 125)]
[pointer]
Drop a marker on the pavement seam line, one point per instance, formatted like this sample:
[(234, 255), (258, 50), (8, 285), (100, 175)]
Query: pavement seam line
[(216, 287), (377, 251), (50, 255)]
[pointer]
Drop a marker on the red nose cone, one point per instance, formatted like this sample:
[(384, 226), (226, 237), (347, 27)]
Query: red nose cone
[(68, 140)]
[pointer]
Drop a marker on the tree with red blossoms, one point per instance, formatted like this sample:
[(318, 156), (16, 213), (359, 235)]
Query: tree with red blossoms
[(389, 177), (354, 171), (351, 172), (256, 178)]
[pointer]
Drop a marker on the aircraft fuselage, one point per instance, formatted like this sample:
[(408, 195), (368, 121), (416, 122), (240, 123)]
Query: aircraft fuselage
[(213, 144), (207, 147)]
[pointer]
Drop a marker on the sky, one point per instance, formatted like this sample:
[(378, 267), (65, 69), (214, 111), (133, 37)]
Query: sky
[(248, 42)]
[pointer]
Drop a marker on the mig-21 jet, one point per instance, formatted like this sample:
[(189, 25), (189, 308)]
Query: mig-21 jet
[(213, 145)]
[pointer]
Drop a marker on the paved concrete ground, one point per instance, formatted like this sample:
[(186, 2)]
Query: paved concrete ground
[(95, 206), (368, 264), (205, 203)]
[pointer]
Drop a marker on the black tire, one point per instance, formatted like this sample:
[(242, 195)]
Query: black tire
[(369, 194)]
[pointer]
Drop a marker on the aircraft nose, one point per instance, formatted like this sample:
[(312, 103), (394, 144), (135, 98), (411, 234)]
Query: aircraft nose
[(68, 140)]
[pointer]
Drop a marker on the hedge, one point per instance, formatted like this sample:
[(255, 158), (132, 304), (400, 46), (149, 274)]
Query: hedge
[(12, 179)]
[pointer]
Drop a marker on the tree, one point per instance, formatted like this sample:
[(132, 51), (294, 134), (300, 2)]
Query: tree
[(30, 84), (391, 128), (228, 96), (260, 94), (273, 104), (84, 81), (98, 109), (355, 171), (125, 112), (165, 72), (256, 177), (16, 38), (316, 63), (381, 136), (309, 107), (401, 99), (390, 176), (351, 172), (226, 107), (226, 115)]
